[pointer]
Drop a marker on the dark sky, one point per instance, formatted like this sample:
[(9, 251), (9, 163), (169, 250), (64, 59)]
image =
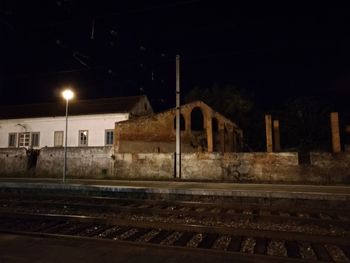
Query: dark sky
[(276, 54)]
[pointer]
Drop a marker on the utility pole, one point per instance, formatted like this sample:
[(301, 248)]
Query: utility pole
[(178, 139)]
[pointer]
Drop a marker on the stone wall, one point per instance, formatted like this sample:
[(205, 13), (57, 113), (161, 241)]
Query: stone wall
[(102, 162), (144, 166), (239, 167), (330, 167), (82, 162), (13, 162), (324, 168)]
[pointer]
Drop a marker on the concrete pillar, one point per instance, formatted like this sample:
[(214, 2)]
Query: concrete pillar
[(335, 132), (276, 134), (209, 134), (268, 128)]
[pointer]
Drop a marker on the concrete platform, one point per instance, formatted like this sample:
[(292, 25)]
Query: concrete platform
[(204, 189)]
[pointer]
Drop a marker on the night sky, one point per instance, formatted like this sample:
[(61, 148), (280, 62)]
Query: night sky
[(276, 54)]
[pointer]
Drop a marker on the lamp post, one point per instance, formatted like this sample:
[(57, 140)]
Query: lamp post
[(67, 95)]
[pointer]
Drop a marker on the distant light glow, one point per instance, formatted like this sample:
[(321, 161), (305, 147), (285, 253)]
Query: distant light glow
[(68, 94)]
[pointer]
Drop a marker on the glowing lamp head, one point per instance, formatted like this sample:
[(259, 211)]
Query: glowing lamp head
[(67, 94)]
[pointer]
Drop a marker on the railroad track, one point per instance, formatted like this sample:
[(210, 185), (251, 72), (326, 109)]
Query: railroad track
[(283, 246), (198, 211)]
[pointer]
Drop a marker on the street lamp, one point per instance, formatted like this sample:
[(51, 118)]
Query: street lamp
[(67, 95)]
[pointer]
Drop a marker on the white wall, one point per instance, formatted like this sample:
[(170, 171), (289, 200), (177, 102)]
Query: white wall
[(95, 124)]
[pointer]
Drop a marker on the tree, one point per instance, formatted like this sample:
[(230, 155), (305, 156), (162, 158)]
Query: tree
[(228, 100), (306, 124), (236, 105)]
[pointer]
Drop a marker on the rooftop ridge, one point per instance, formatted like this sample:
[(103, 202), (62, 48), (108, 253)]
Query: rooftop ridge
[(78, 107)]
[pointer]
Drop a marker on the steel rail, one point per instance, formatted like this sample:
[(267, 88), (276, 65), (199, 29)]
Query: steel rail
[(226, 205), (222, 230), (125, 209)]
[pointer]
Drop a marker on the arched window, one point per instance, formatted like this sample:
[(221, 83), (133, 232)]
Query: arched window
[(182, 123), (197, 120)]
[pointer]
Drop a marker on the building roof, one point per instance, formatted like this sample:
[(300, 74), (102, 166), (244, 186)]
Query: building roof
[(81, 107)]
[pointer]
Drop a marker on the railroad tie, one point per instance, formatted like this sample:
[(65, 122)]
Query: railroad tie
[(117, 232), (140, 232), (56, 227), (185, 237), (346, 250), (160, 236), (97, 231), (292, 249), (208, 240), (74, 229), (321, 252), (49, 225), (260, 246), (235, 244)]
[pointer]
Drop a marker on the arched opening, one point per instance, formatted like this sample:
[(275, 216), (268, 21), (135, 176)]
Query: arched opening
[(214, 124), (182, 123), (197, 120), (198, 134), (216, 135)]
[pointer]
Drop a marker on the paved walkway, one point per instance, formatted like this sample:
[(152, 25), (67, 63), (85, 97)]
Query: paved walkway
[(185, 187)]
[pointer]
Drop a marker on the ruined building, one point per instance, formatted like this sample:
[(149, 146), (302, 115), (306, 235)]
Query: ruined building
[(202, 129)]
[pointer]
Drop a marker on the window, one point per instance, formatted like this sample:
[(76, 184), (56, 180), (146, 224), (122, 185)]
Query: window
[(197, 119), (58, 139), (83, 138), (109, 137), (13, 140), (24, 139), (35, 139)]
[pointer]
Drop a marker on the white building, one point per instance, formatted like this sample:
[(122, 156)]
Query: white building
[(90, 122)]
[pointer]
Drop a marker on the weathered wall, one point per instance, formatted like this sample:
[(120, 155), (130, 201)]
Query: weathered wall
[(240, 167), (331, 167), (325, 168), (102, 162), (144, 166), (13, 162), (82, 162)]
